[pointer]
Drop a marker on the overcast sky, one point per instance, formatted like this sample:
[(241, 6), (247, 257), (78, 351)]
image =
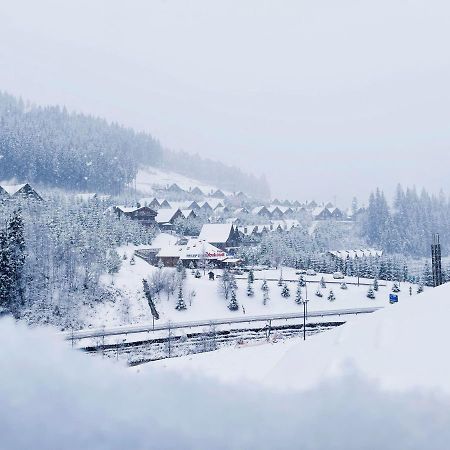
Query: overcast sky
[(327, 98)]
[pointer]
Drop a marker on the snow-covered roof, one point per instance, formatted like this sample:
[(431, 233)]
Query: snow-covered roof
[(216, 232), (204, 204), (200, 249), (286, 224), (127, 209), (187, 212), (164, 240), (180, 205), (162, 201), (358, 253), (258, 209), (166, 215), (13, 189), (318, 210), (148, 200), (215, 203), (171, 251), (193, 249)]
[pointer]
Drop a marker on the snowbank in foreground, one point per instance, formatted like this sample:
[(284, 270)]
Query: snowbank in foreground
[(400, 347), (56, 398)]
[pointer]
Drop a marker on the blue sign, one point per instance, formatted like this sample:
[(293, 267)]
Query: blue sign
[(393, 298)]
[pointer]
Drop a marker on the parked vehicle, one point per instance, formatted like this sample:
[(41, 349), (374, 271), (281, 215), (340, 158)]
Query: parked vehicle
[(311, 272), (338, 275), (300, 272)]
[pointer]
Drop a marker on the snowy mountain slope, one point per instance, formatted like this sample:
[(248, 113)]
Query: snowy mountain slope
[(399, 348), (150, 178)]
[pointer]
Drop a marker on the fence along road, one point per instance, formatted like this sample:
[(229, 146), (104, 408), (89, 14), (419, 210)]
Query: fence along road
[(131, 329)]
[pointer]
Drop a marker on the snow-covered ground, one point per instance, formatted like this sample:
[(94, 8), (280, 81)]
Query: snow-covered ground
[(400, 348), (149, 178), (205, 301), (55, 398)]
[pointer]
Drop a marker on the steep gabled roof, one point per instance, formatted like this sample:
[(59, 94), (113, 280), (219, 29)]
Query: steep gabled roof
[(216, 232), (188, 213), (166, 215), (13, 188), (145, 201), (260, 209), (197, 191), (218, 194)]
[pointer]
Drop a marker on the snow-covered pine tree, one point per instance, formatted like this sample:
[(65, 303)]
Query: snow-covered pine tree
[(280, 281), (265, 297), (16, 244), (395, 287), (344, 286), (427, 276), (301, 281), (233, 283), (198, 274), (298, 294), (113, 261), (285, 292), (233, 305), (323, 285), (375, 284), (5, 272), (264, 286), (250, 291), (225, 285), (181, 305), (331, 296), (420, 288), (181, 269), (160, 264), (192, 267), (370, 293), (251, 276)]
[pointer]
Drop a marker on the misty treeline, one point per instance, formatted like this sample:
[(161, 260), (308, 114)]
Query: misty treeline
[(407, 225), (53, 253), (52, 146)]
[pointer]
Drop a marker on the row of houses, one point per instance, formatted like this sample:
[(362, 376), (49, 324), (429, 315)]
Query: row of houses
[(174, 188), (317, 213), (272, 226), (206, 206), (344, 255)]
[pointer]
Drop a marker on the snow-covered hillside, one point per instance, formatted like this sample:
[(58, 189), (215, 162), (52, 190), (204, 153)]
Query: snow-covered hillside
[(150, 178), (399, 348)]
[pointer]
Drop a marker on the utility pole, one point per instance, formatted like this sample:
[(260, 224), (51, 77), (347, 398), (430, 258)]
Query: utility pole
[(305, 306)]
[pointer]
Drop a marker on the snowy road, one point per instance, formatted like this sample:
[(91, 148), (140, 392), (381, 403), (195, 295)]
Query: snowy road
[(130, 329)]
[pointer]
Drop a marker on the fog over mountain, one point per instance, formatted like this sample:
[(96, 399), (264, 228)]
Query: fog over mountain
[(326, 98)]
